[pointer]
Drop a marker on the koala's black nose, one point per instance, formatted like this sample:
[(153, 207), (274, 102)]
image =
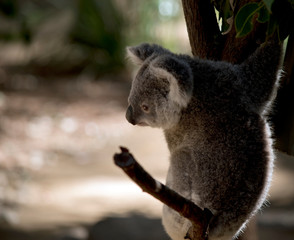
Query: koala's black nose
[(130, 115)]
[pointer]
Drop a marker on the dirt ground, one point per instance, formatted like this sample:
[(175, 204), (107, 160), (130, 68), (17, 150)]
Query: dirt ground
[(57, 177)]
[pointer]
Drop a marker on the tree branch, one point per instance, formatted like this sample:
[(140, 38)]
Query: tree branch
[(198, 217), (202, 27)]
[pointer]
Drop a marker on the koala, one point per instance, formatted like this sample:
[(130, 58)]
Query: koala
[(214, 115)]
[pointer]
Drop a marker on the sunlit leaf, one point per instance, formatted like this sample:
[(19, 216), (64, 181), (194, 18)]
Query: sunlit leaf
[(243, 21)]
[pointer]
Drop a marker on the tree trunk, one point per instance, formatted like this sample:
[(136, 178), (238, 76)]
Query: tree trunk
[(203, 32)]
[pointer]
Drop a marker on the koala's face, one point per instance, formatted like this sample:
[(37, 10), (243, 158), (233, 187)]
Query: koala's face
[(162, 87), (149, 103)]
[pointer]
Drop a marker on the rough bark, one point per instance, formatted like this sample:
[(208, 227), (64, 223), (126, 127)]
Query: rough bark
[(202, 27)]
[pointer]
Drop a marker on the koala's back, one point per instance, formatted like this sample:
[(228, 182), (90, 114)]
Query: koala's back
[(222, 166), (221, 153), (213, 116)]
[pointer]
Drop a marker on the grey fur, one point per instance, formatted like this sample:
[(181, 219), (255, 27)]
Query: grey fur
[(214, 119)]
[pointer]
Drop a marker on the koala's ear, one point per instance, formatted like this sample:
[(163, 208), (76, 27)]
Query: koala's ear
[(179, 75), (138, 54)]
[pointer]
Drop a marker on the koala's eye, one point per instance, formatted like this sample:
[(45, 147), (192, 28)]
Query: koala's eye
[(145, 108)]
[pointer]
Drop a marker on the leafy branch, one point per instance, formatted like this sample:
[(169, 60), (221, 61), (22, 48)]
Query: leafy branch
[(265, 11)]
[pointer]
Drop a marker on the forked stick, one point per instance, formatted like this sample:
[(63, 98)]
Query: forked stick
[(199, 218)]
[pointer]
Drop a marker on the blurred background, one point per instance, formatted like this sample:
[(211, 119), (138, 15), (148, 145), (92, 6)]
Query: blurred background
[(64, 83)]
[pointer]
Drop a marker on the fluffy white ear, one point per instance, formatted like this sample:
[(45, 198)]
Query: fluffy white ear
[(176, 94), (138, 54), (133, 56)]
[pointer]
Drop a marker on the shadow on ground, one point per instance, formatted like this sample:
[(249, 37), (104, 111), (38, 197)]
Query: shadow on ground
[(275, 232), (132, 227)]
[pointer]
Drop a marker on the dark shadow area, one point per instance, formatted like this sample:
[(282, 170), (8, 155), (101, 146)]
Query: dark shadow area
[(66, 233), (268, 232), (132, 227)]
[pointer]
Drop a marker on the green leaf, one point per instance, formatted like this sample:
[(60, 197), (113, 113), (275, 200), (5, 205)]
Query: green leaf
[(263, 15), (225, 14), (268, 4), (243, 21)]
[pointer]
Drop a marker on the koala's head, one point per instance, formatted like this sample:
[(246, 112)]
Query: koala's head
[(161, 89)]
